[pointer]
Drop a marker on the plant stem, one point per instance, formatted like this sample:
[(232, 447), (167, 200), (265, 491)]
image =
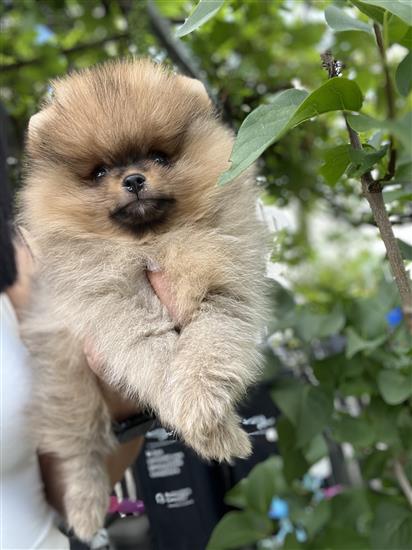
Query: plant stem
[(372, 191), (390, 100), (403, 481)]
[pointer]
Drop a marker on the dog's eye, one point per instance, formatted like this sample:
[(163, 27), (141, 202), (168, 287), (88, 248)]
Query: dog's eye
[(100, 172), (160, 158)]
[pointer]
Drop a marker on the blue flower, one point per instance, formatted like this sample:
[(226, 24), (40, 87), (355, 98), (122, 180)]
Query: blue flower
[(279, 508), (394, 316)]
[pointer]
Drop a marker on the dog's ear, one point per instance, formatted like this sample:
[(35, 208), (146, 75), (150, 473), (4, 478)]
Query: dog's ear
[(197, 88), (36, 122)]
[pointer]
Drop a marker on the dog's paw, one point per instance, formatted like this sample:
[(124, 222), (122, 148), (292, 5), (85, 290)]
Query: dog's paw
[(86, 512), (223, 442), (201, 410)]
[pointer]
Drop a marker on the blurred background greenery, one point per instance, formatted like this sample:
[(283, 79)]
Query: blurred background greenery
[(338, 352)]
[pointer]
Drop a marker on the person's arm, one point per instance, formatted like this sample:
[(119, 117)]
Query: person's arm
[(117, 463)]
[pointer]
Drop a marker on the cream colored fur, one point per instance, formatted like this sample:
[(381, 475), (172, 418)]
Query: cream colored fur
[(91, 282)]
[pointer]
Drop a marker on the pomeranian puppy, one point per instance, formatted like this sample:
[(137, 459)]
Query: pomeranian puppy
[(121, 177)]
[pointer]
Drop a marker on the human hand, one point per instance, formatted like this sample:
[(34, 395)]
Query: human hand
[(19, 292), (162, 288)]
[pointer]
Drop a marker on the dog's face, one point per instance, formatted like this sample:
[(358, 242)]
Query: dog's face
[(125, 147)]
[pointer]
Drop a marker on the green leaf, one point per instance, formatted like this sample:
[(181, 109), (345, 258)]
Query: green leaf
[(374, 464), (406, 40), (403, 75), (401, 127), (341, 538), (313, 519), (237, 529), (392, 527), (315, 449), (396, 30), (348, 429), (406, 249), (403, 173), (311, 325), (400, 193), (281, 297), (364, 123), (287, 395), (340, 21), (236, 495), (401, 8), (204, 11), (315, 411), (356, 387), (356, 343), (330, 370), (351, 507), (371, 11), (363, 160), (307, 407), (268, 123), (394, 386), (263, 483), (383, 420), (260, 129), (294, 462), (336, 159)]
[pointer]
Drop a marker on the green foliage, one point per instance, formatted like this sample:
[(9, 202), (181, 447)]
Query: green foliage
[(239, 529), (400, 8), (392, 526), (204, 11), (399, 127), (404, 75), (336, 160), (340, 21), (364, 160), (373, 369), (395, 387), (289, 109)]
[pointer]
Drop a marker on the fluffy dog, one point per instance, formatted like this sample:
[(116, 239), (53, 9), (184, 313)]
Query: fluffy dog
[(122, 170)]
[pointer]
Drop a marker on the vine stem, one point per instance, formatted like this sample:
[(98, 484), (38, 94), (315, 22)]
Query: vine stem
[(403, 481)]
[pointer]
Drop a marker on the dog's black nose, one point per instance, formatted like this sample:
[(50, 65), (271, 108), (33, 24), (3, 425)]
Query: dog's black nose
[(134, 182)]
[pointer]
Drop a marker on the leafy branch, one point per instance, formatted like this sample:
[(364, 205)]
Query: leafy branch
[(372, 191)]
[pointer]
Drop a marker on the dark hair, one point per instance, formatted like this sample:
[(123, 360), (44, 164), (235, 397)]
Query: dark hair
[(8, 272)]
